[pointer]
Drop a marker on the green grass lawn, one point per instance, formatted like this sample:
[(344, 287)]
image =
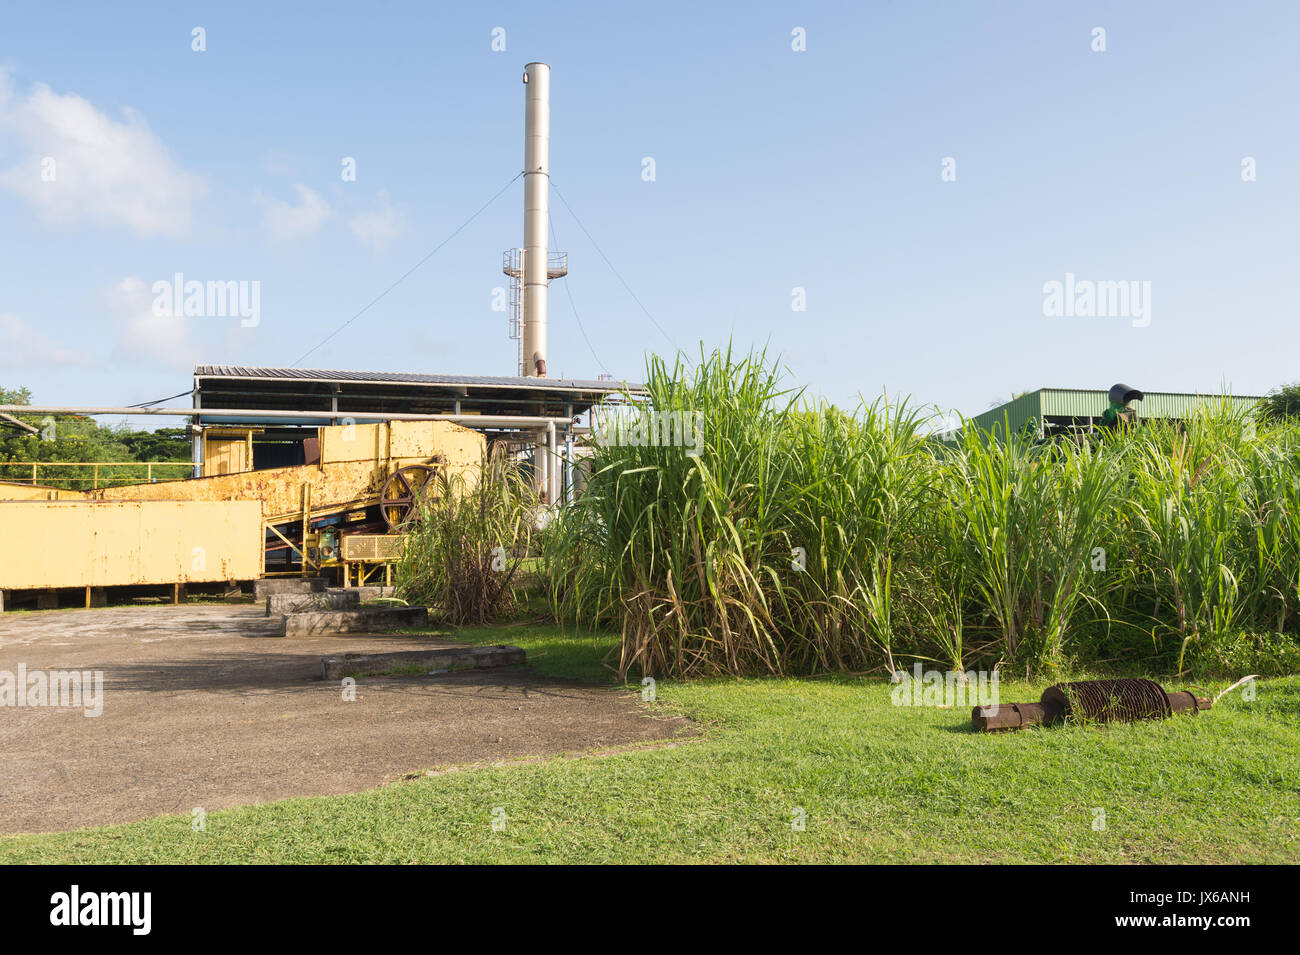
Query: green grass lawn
[(875, 783)]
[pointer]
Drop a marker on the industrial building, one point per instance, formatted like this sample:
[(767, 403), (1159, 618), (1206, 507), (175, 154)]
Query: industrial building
[(272, 411), (1050, 412)]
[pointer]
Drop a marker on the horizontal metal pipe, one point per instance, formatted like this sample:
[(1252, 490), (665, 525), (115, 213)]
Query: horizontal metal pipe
[(18, 424), (210, 382), (467, 420)]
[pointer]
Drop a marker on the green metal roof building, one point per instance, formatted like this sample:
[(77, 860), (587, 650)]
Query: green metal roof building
[(1056, 410)]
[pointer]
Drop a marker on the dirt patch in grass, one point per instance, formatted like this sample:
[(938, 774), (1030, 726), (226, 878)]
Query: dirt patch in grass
[(203, 708)]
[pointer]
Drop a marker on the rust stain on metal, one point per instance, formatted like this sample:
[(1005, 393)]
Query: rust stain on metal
[(1102, 701), (353, 465)]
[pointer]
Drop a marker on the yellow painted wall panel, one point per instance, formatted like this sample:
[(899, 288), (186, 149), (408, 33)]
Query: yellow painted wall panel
[(354, 442), (118, 543), (37, 492), (225, 456)]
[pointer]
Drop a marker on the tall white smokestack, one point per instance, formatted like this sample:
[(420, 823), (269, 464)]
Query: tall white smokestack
[(537, 181)]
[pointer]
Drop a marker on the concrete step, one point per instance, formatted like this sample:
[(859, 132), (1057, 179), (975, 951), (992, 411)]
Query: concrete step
[(287, 585), (363, 620), (367, 593), (447, 658), (279, 604)]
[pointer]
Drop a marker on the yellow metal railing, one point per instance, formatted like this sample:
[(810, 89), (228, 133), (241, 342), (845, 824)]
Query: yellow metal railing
[(30, 471)]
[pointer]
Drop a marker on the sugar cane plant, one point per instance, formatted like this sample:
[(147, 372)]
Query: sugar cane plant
[(795, 537), (462, 553)]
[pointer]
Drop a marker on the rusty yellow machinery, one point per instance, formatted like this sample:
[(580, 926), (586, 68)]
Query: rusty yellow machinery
[(361, 481), (364, 554)]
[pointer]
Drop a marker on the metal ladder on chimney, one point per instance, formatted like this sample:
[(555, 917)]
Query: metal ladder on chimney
[(512, 264)]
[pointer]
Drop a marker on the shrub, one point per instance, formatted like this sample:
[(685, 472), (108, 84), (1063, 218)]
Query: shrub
[(463, 551)]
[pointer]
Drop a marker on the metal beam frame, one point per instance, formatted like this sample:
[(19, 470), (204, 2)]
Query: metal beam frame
[(466, 420)]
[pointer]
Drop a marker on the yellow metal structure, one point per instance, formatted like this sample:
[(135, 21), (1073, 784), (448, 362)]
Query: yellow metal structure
[(364, 554), (10, 491), (97, 472), (228, 450), (372, 547), (53, 544), (217, 527), (355, 461)]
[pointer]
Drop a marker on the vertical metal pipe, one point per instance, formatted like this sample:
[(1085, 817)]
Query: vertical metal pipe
[(548, 468), (196, 440), (537, 169), (566, 465), (566, 490), (553, 477)]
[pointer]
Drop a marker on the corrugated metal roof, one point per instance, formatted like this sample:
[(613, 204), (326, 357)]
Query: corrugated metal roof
[(399, 378), (1080, 403), (1086, 403), (1016, 412)]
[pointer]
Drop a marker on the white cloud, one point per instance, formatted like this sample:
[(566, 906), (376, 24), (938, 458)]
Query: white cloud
[(22, 346), (378, 227), (105, 171), (165, 338), (286, 222)]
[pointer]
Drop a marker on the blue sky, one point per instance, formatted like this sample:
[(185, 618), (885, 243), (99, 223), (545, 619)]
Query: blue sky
[(775, 169)]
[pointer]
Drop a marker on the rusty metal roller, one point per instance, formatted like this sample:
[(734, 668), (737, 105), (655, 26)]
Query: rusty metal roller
[(1102, 701)]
